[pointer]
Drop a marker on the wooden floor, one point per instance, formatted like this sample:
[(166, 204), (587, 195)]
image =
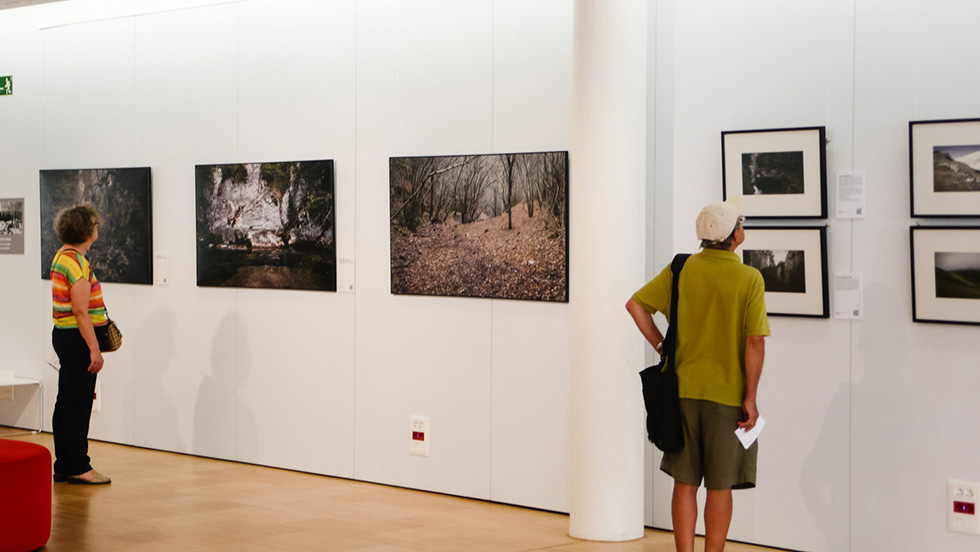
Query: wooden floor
[(170, 502)]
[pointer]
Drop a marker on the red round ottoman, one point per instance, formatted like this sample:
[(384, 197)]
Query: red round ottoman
[(25, 485)]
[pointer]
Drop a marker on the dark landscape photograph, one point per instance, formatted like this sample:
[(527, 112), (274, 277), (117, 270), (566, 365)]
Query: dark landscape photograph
[(779, 172), (958, 275), (956, 168), (492, 226), (782, 270), (124, 251), (267, 225)]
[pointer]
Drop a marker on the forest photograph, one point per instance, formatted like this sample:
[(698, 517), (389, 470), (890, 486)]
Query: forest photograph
[(11, 216), (958, 275), (266, 225), (956, 168), (779, 172), (124, 251), (782, 270), (491, 226)]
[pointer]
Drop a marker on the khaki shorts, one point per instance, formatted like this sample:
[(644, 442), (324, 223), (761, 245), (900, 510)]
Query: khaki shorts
[(711, 450)]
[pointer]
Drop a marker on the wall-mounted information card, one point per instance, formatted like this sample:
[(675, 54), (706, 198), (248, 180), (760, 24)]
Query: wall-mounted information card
[(850, 194), (12, 226)]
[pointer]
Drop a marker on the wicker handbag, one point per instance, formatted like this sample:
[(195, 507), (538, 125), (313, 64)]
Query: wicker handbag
[(110, 338)]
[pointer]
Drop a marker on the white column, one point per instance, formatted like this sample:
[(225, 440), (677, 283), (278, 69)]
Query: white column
[(607, 213)]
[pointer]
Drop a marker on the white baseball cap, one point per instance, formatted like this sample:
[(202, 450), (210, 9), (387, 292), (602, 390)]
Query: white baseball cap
[(717, 221)]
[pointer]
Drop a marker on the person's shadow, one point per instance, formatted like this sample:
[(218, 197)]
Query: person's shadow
[(150, 383), (219, 415)]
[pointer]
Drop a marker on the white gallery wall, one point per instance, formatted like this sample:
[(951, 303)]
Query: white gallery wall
[(867, 419), (319, 382)]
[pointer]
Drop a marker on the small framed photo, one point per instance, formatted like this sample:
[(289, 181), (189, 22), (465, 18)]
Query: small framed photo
[(781, 172), (944, 168), (793, 263), (946, 274)]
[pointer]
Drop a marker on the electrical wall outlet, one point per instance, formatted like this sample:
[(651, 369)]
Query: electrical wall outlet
[(961, 507), (419, 445)]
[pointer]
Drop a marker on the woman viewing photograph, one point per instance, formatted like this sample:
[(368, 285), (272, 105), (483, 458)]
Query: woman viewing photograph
[(78, 312)]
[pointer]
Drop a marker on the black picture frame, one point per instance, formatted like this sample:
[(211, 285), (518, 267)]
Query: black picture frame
[(491, 226), (793, 262), (781, 172), (944, 168), (945, 264), (122, 196)]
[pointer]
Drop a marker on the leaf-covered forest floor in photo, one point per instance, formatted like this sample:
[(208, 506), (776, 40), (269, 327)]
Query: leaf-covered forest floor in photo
[(481, 259)]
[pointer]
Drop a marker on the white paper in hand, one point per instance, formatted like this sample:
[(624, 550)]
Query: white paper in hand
[(749, 437)]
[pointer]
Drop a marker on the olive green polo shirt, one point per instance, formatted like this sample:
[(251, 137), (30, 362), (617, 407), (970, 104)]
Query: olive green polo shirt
[(721, 302)]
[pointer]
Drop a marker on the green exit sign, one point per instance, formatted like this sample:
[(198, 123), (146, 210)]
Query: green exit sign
[(6, 85)]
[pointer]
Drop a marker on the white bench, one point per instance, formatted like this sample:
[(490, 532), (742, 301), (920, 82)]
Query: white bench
[(8, 380)]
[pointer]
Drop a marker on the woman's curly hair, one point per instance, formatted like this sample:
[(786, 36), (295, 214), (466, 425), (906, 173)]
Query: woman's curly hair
[(75, 225)]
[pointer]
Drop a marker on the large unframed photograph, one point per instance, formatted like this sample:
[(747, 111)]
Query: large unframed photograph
[(267, 225), (124, 251), (493, 226)]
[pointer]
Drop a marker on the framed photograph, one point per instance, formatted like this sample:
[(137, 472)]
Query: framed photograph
[(781, 172), (267, 225), (944, 168), (124, 251), (493, 226), (946, 274), (793, 263)]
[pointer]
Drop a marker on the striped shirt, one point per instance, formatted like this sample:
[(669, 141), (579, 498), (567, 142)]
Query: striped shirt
[(70, 266)]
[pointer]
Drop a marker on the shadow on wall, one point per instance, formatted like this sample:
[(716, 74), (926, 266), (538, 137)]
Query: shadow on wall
[(219, 415), (151, 381), (883, 376)]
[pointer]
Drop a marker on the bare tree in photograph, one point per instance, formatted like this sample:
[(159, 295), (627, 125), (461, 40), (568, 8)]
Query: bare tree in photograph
[(450, 235)]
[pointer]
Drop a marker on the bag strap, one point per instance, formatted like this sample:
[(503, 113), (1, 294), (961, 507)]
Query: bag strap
[(670, 341), (78, 259)]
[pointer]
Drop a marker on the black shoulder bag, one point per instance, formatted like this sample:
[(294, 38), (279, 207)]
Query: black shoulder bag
[(660, 395)]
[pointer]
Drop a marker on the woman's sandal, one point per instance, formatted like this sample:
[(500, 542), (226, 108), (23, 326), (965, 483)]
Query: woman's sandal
[(97, 479)]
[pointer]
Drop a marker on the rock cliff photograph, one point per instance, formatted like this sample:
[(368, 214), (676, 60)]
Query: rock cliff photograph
[(267, 225), (956, 168)]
